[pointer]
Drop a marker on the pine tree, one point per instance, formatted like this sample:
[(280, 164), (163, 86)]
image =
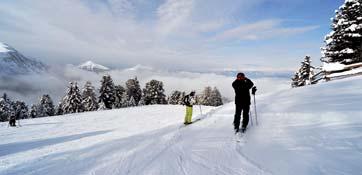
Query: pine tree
[(5, 108), (33, 113), (89, 98), (45, 106), (72, 101), (305, 73), (107, 93), (21, 109), (344, 43), (295, 80), (154, 93), (119, 94), (175, 97), (133, 89), (205, 98), (215, 97), (181, 99), (59, 109)]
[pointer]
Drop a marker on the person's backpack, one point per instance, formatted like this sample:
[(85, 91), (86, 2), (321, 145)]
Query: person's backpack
[(185, 100)]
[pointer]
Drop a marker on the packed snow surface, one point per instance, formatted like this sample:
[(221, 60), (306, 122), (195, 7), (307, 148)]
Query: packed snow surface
[(309, 130), (3, 48)]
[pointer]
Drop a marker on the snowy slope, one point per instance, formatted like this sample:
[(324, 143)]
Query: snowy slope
[(311, 130), (93, 67)]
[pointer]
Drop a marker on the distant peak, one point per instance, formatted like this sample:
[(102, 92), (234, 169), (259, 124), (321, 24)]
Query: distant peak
[(91, 66), (4, 47)]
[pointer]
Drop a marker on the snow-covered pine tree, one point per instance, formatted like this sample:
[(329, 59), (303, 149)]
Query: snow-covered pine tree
[(205, 97), (89, 98), (119, 94), (153, 93), (59, 109), (21, 109), (72, 101), (107, 93), (305, 72), (216, 98), (295, 80), (133, 89), (344, 43), (5, 108), (33, 113), (45, 106), (181, 99), (174, 98)]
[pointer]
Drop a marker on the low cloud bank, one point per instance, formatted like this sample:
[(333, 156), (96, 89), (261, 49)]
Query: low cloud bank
[(30, 87)]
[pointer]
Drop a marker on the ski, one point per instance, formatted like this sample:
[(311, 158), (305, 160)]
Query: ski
[(193, 122)]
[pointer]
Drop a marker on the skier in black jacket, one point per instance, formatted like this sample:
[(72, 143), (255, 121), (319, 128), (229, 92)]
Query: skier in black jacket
[(242, 86), (12, 119)]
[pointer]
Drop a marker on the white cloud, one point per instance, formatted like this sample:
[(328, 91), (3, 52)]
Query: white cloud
[(173, 14), (264, 29)]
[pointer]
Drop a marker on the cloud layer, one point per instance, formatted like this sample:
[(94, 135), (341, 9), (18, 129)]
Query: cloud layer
[(30, 87)]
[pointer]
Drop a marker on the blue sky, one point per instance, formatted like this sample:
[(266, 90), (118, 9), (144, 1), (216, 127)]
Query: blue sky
[(170, 34)]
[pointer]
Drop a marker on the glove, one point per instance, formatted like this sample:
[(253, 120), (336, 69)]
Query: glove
[(253, 90)]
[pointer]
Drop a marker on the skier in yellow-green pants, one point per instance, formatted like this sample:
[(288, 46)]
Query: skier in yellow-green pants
[(189, 101)]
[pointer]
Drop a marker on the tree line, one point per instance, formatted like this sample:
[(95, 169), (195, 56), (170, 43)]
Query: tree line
[(110, 96)]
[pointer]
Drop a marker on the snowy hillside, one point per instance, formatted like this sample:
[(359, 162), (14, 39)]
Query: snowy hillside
[(309, 130), (93, 67), (13, 62)]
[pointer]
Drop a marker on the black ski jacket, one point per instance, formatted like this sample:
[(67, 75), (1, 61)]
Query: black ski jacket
[(188, 100), (242, 91)]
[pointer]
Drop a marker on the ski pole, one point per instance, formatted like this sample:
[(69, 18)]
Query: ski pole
[(251, 118), (200, 110), (256, 115)]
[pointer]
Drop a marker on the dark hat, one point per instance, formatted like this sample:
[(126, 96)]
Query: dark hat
[(192, 93), (240, 75)]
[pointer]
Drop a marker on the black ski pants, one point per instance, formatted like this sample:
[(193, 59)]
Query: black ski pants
[(12, 122), (245, 109)]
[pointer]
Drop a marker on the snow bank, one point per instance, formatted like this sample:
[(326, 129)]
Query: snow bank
[(333, 66)]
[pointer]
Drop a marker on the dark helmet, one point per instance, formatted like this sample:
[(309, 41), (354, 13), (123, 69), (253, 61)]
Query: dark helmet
[(240, 75), (192, 93)]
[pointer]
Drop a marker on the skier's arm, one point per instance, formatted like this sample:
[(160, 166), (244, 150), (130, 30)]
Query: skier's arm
[(250, 83)]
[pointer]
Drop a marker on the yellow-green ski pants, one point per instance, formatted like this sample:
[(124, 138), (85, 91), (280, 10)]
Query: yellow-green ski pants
[(188, 116)]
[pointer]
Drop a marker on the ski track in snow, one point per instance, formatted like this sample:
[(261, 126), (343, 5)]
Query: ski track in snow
[(310, 130), (84, 147)]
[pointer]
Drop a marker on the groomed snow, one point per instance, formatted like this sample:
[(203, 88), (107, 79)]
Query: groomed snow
[(3, 48), (308, 130)]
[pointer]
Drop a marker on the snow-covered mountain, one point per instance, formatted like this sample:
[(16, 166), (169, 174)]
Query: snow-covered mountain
[(308, 130), (93, 67), (13, 62)]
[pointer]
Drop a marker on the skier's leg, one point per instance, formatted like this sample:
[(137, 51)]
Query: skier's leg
[(189, 117), (186, 115), (237, 117), (246, 109)]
